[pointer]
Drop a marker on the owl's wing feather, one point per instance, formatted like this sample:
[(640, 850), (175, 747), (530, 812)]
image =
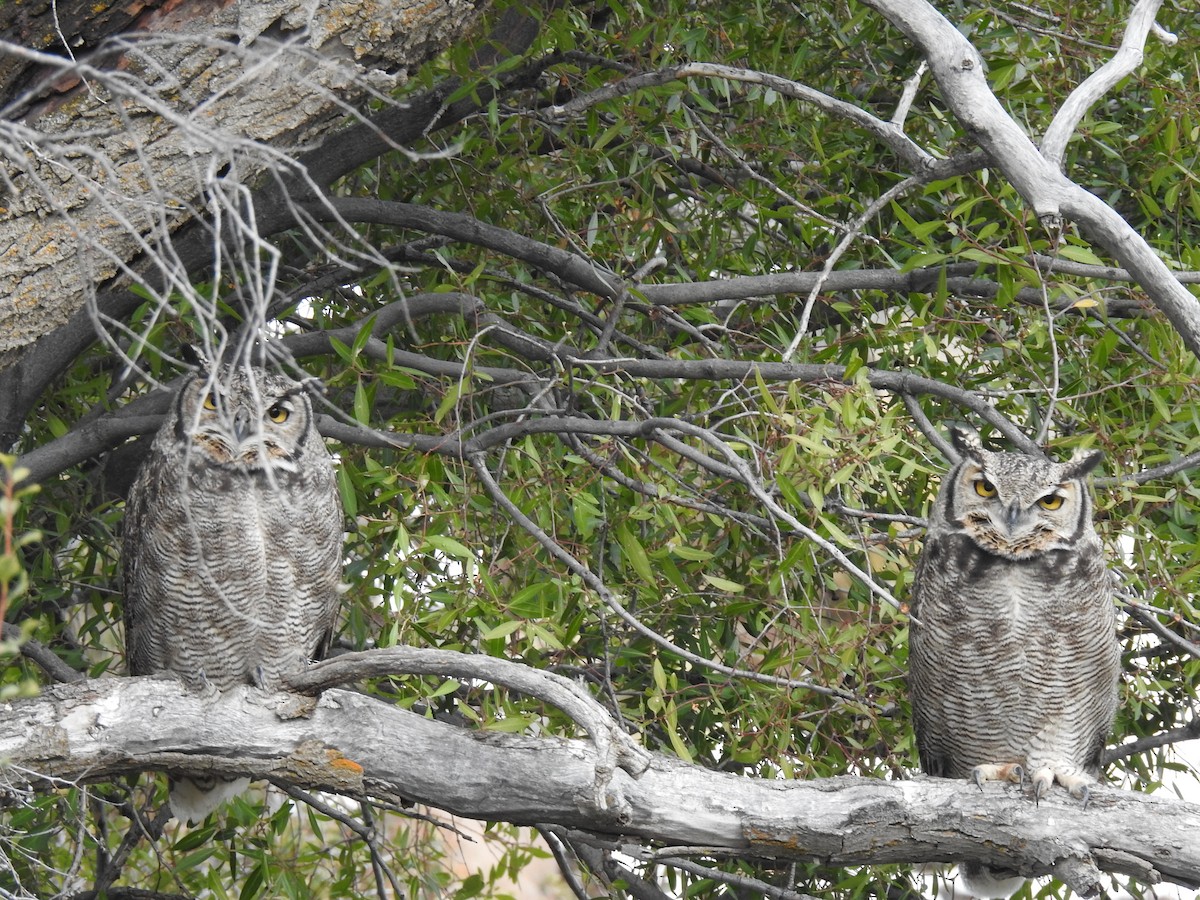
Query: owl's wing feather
[(924, 665)]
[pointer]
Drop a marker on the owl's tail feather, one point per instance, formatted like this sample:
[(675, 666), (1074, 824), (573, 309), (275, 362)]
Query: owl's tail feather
[(193, 799), (981, 881)]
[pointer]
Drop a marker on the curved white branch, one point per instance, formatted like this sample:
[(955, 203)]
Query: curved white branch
[(1127, 58), (911, 85), (614, 748), (959, 71)]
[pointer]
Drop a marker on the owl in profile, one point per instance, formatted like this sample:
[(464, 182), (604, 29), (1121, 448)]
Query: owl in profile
[(232, 545), (1013, 654)]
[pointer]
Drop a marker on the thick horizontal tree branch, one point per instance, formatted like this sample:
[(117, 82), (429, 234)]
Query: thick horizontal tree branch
[(1061, 266), (1188, 732), (101, 434), (960, 279), (140, 416), (356, 745), (45, 658), (614, 748), (90, 439), (570, 267), (901, 383)]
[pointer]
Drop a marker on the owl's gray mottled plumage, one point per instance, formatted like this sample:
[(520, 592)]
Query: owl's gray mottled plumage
[(233, 542), (1013, 655)]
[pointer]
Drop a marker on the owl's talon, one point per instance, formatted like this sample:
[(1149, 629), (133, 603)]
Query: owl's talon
[(997, 772), (1084, 795), (1043, 779), (203, 685), (1077, 784)]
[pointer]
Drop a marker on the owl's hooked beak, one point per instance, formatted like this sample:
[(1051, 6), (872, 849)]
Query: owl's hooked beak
[(1012, 515), (242, 427), (1019, 521)]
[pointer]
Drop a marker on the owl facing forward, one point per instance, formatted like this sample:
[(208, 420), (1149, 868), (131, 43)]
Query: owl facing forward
[(232, 544), (1013, 655)]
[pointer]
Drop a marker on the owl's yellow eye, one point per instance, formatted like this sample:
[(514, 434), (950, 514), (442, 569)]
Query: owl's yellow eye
[(985, 488), (1050, 501), (210, 401), (278, 413)]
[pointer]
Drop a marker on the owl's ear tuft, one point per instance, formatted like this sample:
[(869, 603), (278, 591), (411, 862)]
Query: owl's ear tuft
[(194, 357), (1082, 462), (966, 441)]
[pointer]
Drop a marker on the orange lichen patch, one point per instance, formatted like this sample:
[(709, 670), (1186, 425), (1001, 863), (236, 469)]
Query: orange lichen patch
[(317, 763), (419, 14), (345, 764)]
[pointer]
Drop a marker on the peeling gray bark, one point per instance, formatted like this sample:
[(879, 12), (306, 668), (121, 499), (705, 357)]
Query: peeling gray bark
[(110, 158), (355, 745)]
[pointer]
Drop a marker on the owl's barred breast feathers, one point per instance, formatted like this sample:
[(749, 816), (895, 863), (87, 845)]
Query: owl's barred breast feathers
[(233, 536), (1013, 657)]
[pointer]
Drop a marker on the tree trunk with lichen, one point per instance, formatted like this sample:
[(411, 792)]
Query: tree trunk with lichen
[(114, 114)]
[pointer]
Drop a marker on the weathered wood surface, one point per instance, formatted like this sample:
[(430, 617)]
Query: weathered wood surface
[(353, 744), (110, 152)]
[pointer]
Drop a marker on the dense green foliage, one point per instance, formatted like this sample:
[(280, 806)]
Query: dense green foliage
[(691, 521)]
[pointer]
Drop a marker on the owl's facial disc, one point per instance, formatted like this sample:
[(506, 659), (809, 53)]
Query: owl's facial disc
[(244, 435), (1019, 526)]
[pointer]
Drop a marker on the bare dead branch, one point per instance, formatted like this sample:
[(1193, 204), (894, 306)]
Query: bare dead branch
[(885, 132), (1100, 82), (959, 71), (355, 744)]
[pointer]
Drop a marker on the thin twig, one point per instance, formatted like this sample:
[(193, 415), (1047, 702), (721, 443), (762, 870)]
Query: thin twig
[(741, 882), (1141, 614), (1188, 732), (594, 582), (1052, 399), (365, 832)]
